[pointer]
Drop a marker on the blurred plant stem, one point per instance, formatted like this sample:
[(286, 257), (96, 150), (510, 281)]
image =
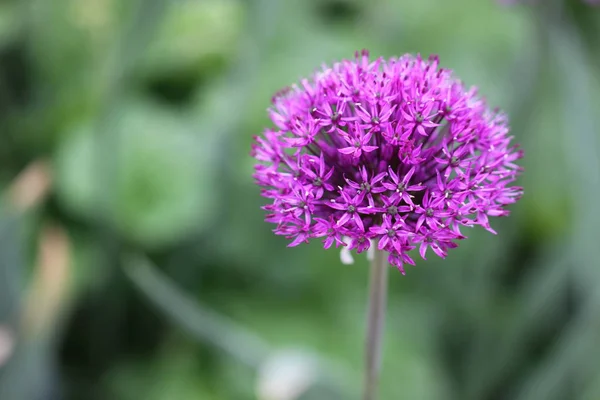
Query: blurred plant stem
[(209, 326), (203, 323), (375, 323)]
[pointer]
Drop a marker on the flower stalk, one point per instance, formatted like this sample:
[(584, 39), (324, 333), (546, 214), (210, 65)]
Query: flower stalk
[(375, 323)]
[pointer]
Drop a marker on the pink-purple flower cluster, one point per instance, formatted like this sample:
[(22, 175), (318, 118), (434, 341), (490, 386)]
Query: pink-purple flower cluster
[(396, 152)]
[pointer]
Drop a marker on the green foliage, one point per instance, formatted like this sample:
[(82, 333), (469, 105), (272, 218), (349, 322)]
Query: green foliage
[(179, 47), (146, 110), (162, 184)]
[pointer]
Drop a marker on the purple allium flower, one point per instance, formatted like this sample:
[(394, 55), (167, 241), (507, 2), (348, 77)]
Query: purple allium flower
[(396, 152)]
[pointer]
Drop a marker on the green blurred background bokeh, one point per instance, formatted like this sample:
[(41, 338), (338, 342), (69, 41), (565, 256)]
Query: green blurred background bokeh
[(134, 262)]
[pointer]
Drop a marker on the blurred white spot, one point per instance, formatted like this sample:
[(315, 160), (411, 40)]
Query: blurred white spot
[(286, 375), (371, 251), (345, 255), (7, 345)]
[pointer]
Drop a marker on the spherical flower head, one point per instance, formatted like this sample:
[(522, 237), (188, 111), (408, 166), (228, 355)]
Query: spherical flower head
[(393, 153)]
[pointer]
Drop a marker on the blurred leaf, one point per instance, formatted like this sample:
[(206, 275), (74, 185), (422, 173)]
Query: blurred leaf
[(593, 392), (70, 42), (204, 324), (192, 33), (535, 304), (89, 270), (566, 370), (578, 343), (79, 52), (10, 22), (581, 142), (163, 175), (70, 38), (173, 374), (11, 265), (31, 373), (207, 325)]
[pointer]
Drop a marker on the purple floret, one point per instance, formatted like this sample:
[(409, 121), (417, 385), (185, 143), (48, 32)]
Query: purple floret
[(396, 152)]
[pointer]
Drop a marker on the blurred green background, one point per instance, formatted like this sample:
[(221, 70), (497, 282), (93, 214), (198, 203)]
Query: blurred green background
[(134, 263)]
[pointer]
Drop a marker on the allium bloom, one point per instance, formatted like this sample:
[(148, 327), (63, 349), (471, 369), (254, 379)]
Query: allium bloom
[(394, 152)]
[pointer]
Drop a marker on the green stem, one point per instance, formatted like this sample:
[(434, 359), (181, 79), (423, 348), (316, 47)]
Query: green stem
[(375, 323)]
